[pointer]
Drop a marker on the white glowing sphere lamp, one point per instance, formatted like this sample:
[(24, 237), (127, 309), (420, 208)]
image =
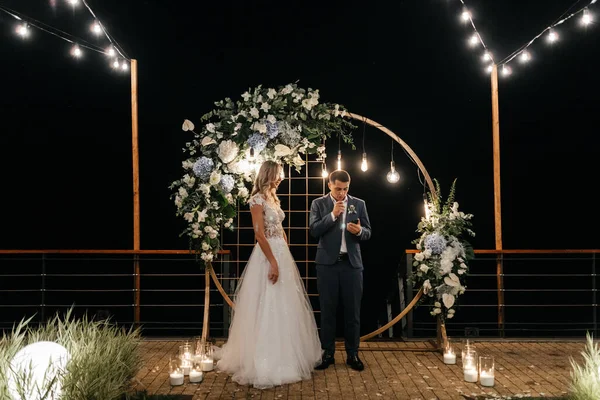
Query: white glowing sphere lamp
[(45, 361)]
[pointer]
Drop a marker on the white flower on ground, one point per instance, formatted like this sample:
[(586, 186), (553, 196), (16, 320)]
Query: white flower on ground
[(227, 151), (187, 125)]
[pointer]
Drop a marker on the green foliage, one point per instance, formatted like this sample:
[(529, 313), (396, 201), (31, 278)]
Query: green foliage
[(585, 379), (104, 358)]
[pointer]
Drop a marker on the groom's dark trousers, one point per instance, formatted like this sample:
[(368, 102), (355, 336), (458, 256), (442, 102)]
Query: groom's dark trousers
[(340, 281)]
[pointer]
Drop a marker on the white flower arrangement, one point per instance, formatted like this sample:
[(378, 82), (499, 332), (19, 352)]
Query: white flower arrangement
[(265, 124), (441, 265)]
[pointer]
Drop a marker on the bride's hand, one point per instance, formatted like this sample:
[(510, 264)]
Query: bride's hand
[(274, 272)]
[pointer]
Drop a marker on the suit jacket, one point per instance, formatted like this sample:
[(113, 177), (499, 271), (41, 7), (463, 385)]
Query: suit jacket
[(329, 231)]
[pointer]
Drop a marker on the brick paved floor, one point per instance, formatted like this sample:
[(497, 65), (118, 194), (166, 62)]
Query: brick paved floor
[(394, 370)]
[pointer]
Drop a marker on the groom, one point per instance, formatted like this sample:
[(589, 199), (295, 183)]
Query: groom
[(340, 222)]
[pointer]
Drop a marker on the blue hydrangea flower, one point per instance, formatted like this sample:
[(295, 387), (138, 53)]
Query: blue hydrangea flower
[(257, 141), (227, 182), (272, 130), (203, 167), (436, 243)]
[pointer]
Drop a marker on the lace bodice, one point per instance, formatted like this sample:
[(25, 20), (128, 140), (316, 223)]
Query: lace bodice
[(273, 215)]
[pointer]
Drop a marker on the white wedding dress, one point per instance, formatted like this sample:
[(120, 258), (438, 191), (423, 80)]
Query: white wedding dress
[(273, 338)]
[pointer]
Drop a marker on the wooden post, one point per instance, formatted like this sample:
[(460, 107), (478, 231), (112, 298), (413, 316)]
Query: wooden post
[(497, 197), (136, 188), (205, 328)]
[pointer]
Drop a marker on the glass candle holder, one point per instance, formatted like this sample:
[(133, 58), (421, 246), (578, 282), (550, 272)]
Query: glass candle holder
[(207, 361), (175, 372), (449, 355), (196, 374), (185, 355), (470, 366), (198, 348), (486, 371), (467, 345)]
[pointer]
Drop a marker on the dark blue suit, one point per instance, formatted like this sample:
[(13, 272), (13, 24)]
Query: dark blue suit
[(339, 275)]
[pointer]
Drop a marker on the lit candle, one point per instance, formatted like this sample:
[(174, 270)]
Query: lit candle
[(486, 378), (449, 357), (207, 364), (176, 378), (196, 375), (470, 374)]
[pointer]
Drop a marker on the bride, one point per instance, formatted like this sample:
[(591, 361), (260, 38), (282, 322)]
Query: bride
[(273, 338)]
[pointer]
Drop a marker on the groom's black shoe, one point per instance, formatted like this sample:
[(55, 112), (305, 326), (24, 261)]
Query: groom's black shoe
[(326, 361), (355, 363)]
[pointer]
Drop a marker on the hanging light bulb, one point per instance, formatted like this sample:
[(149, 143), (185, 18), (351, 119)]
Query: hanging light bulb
[(426, 205), (339, 160), (110, 51), (487, 56), (473, 40), (393, 175), (363, 165), (324, 172), (73, 2), (552, 36), (465, 16), (116, 64), (124, 66), (506, 71)]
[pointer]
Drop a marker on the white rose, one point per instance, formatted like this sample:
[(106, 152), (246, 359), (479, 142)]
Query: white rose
[(424, 268), (243, 192), (419, 257), (437, 304), (205, 246), (227, 151), (426, 286), (450, 316), (212, 235), (215, 178), (207, 256), (436, 311), (204, 188)]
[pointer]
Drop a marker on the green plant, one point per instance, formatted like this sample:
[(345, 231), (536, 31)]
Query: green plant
[(104, 358), (585, 379)]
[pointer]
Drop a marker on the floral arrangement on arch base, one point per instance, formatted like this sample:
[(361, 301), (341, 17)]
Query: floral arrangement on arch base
[(441, 265), (234, 139)]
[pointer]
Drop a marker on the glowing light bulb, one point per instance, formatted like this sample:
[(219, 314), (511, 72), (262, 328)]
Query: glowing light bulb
[(426, 205), (525, 56), (465, 16), (73, 2), (474, 40), (489, 68), (110, 52), (552, 36), (587, 18), (96, 28), (393, 175), (339, 160), (487, 56), (364, 166), (76, 51), (116, 64), (124, 66), (324, 172), (506, 71), (23, 30)]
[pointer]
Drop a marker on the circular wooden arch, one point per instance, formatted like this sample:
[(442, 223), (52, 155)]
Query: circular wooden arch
[(414, 301)]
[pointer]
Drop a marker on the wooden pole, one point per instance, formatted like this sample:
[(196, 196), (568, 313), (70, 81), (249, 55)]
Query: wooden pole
[(205, 327), (136, 188), (497, 197)]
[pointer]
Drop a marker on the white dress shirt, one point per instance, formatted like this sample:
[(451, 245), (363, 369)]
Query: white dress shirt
[(343, 248)]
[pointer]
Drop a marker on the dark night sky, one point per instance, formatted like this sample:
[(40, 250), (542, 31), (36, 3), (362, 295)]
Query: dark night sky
[(65, 147)]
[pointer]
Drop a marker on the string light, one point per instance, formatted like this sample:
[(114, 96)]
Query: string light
[(120, 60), (76, 51), (22, 30), (96, 28), (524, 56), (339, 155), (324, 172)]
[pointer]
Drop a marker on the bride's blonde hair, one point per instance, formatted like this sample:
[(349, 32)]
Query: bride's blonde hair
[(269, 172)]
